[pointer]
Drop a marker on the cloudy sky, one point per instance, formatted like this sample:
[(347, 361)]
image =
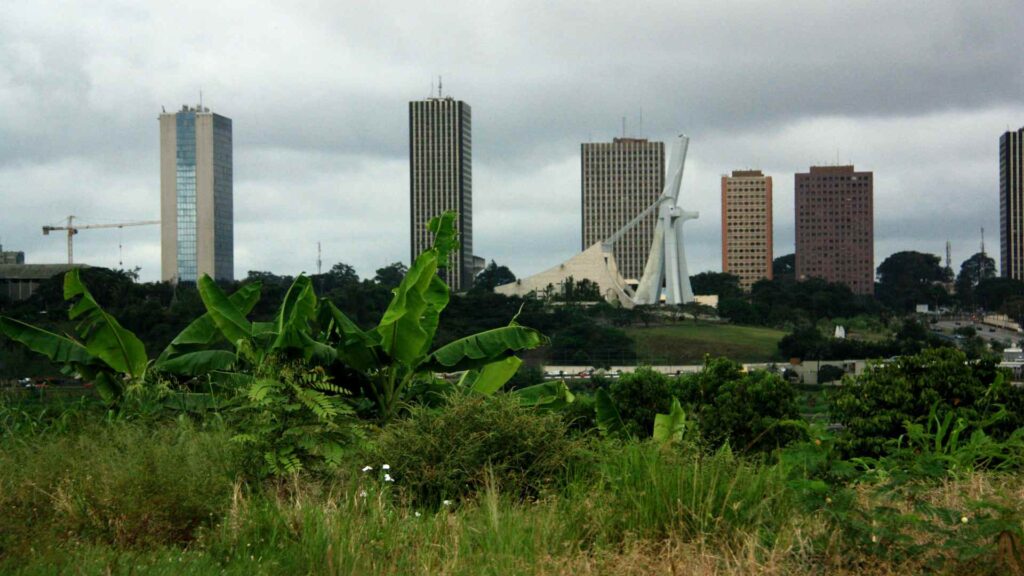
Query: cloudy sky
[(918, 92)]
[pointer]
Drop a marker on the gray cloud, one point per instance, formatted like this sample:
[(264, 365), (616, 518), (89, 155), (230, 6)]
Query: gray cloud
[(916, 91)]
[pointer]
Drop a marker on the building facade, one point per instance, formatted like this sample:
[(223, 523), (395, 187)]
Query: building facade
[(747, 226), (11, 257), (835, 226), (620, 179), (441, 179), (1011, 205), (196, 196)]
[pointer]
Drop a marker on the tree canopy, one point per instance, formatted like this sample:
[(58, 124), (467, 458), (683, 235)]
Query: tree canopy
[(909, 278)]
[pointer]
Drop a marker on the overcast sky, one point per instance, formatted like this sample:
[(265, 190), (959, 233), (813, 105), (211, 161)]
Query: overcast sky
[(917, 92)]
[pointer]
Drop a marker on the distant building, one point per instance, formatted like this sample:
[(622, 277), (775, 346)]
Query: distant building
[(19, 281), (835, 226), (8, 257), (621, 179), (1011, 204), (747, 226), (441, 179), (196, 196)]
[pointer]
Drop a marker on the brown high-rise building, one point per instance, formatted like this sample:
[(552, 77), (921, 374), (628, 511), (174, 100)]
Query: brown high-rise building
[(1011, 204), (620, 180), (747, 226), (835, 226)]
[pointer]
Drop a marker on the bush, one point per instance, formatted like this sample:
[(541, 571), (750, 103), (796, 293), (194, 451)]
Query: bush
[(449, 453), (830, 373), (128, 485), (876, 407), (748, 410), (639, 396)]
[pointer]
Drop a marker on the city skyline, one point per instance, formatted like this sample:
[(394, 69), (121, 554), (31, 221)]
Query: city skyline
[(324, 157)]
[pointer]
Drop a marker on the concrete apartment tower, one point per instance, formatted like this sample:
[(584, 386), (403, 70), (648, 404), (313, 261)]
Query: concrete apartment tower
[(196, 190), (1011, 204), (835, 227), (620, 180), (747, 226), (441, 179)]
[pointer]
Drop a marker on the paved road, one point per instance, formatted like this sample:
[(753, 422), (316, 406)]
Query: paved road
[(986, 332)]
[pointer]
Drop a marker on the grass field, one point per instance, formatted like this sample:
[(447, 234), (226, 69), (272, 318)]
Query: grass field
[(688, 342)]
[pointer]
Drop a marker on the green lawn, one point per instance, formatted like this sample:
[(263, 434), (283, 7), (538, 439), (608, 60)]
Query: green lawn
[(688, 342)]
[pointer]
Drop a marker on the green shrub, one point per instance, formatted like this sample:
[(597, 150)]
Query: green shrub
[(449, 453), (581, 414), (750, 411), (129, 485), (830, 373), (876, 407), (639, 396)]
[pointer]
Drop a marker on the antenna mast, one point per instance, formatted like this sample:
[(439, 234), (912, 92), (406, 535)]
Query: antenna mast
[(949, 255), (982, 239), (319, 261), (440, 90)]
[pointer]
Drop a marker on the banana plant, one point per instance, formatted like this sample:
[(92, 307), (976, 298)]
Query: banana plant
[(292, 332), (104, 353), (396, 353), (668, 428)]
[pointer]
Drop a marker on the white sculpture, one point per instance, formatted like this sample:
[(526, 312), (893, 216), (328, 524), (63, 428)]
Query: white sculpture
[(666, 264)]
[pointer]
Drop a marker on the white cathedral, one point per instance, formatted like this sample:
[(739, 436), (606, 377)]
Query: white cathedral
[(665, 279)]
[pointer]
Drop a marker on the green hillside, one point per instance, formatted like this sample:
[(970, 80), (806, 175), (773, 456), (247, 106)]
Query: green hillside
[(688, 342)]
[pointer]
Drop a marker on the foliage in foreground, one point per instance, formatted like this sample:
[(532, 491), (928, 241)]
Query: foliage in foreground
[(473, 442)]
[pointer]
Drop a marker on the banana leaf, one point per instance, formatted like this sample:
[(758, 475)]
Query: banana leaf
[(198, 362), (669, 427), (228, 318), (101, 333), (551, 395), (484, 348), (59, 349), (202, 333), (609, 422), (294, 315), (491, 377), (356, 348)]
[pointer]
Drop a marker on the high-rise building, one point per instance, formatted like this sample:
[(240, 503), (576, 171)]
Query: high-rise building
[(196, 196), (620, 179), (11, 257), (747, 226), (835, 226), (1011, 204), (441, 179)]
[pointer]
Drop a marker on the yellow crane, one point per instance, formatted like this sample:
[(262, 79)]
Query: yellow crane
[(73, 229)]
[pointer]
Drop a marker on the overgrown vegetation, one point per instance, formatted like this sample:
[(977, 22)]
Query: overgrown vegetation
[(297, 439)]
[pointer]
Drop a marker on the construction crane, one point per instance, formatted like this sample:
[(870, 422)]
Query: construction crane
[(73, 229)]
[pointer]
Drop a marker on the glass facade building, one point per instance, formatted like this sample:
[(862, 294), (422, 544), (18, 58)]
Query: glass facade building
[(196, 195)]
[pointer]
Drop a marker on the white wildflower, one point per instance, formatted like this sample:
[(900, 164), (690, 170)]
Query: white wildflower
[(388, 478), (447, 502), (362, 494), (963, 519), (367, 468), (417, 514), (385, 467)]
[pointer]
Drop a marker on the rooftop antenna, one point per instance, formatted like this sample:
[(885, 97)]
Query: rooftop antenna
[(319, 261), (983, 240), (640, 129), (431, 87), (200, 99), (623, 126), (440, 90)]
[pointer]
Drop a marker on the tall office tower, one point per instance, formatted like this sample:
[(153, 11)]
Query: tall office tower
[(747, 226), (441, 179), (835, 227), (196, 190), (620, 179), (1011, 205)]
